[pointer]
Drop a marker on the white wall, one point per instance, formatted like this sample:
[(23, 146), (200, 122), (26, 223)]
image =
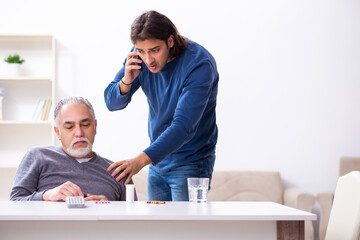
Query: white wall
[(289, 93)]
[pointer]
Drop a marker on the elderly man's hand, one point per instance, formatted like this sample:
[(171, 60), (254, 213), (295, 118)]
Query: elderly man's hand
[(90, 197), (60, 192)]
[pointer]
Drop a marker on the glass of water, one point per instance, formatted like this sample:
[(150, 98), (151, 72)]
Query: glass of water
[(198, 189)]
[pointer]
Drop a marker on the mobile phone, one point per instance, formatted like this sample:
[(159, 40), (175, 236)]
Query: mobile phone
[(138, 57)]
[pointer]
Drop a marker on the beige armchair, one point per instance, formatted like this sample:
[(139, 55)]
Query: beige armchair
[(325, 199), (7, 175), (248, 186)]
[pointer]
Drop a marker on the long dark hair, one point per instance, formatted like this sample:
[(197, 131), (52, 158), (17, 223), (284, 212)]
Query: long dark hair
[(153, 25)]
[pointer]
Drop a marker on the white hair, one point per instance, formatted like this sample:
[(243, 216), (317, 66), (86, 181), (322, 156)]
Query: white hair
[(68, 101)]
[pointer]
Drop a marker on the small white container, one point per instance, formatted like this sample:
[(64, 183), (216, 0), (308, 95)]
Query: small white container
[(130, 193), (14, 69)]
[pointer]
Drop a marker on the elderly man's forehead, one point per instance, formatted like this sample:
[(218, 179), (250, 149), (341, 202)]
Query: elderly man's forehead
[(74, 105), (75, 110), (81, 121)]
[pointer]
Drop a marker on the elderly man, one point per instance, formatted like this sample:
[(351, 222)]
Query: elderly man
[(52, 173)]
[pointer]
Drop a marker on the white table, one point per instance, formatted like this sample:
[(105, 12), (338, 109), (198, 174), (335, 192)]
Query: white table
[(172, 220)]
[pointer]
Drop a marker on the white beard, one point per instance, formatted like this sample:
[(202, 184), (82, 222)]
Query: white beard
[(80, 153)]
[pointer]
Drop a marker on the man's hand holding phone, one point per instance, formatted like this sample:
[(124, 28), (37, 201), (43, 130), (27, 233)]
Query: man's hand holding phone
[(139, 63), (132, 70)]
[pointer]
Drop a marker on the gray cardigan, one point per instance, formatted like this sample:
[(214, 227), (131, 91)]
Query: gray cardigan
[(48, 167)]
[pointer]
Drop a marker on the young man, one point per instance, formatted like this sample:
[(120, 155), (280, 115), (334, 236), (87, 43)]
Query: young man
[(180, 79), (52, 173)]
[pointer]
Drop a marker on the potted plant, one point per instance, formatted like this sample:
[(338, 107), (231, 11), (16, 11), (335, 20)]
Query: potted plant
[(14, 63)]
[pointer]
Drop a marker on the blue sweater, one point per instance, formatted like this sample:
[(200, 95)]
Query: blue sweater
[(182, 101)]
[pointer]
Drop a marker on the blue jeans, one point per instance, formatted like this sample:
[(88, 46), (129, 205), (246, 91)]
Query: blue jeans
[(172, 186)]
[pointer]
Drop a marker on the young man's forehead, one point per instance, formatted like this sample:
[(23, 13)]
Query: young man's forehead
[(149, 44), (149, 49)]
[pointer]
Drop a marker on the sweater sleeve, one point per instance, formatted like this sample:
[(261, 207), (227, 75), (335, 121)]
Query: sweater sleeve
[(26, 180), (188, 113)]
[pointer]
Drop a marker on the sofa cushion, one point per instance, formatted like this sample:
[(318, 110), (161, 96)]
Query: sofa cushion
[(246, 186), (231, 186)]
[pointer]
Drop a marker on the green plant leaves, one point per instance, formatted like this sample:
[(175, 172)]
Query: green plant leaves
[(14, 59)]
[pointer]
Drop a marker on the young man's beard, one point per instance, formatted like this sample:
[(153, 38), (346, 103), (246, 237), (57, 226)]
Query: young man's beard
[(82, 152)]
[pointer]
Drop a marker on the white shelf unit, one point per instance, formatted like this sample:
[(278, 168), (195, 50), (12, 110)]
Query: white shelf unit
[(35, 82)]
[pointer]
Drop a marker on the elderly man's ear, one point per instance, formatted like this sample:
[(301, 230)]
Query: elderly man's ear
[(56, 129)]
